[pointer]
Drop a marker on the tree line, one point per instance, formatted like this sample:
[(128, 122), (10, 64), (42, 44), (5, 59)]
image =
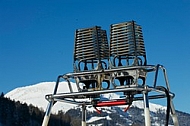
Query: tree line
[(14, 113)]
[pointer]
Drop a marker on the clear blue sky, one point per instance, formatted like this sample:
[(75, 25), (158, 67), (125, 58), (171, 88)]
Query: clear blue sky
[(37, 37)]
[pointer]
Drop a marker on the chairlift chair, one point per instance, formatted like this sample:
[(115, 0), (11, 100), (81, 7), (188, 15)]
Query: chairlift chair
[(91, 53), (126, 50)]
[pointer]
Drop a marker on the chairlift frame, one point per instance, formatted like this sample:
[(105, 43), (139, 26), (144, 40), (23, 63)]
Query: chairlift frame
[(97, 75)]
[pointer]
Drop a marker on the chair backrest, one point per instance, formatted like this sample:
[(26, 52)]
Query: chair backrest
[(91, 49), (127, 45)]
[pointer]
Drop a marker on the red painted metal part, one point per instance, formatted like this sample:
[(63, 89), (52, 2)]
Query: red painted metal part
[(111, 103), (126, 108), (98, 111)]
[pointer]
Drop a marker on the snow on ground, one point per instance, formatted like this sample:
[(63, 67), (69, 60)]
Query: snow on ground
[(95, 118), (153, 107)]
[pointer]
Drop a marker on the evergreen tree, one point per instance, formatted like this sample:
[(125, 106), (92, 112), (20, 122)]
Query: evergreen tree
[(2, 94), (2, 110)]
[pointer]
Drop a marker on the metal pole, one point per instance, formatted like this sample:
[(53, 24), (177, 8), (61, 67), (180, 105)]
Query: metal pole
[(47, 115), (146, 109), (83, 115), (51, 103), (173, 114)]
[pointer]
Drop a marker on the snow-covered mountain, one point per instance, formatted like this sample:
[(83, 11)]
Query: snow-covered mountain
[(35, 95)]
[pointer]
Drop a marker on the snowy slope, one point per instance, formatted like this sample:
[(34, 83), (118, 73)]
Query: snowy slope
[(35, 95)]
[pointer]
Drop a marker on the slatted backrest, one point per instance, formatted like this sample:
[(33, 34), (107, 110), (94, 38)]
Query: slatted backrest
[(91, 48), (126, 43)]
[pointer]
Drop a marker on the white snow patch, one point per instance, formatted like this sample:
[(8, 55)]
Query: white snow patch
[(35, 95), (153, 107), (93, 119)]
